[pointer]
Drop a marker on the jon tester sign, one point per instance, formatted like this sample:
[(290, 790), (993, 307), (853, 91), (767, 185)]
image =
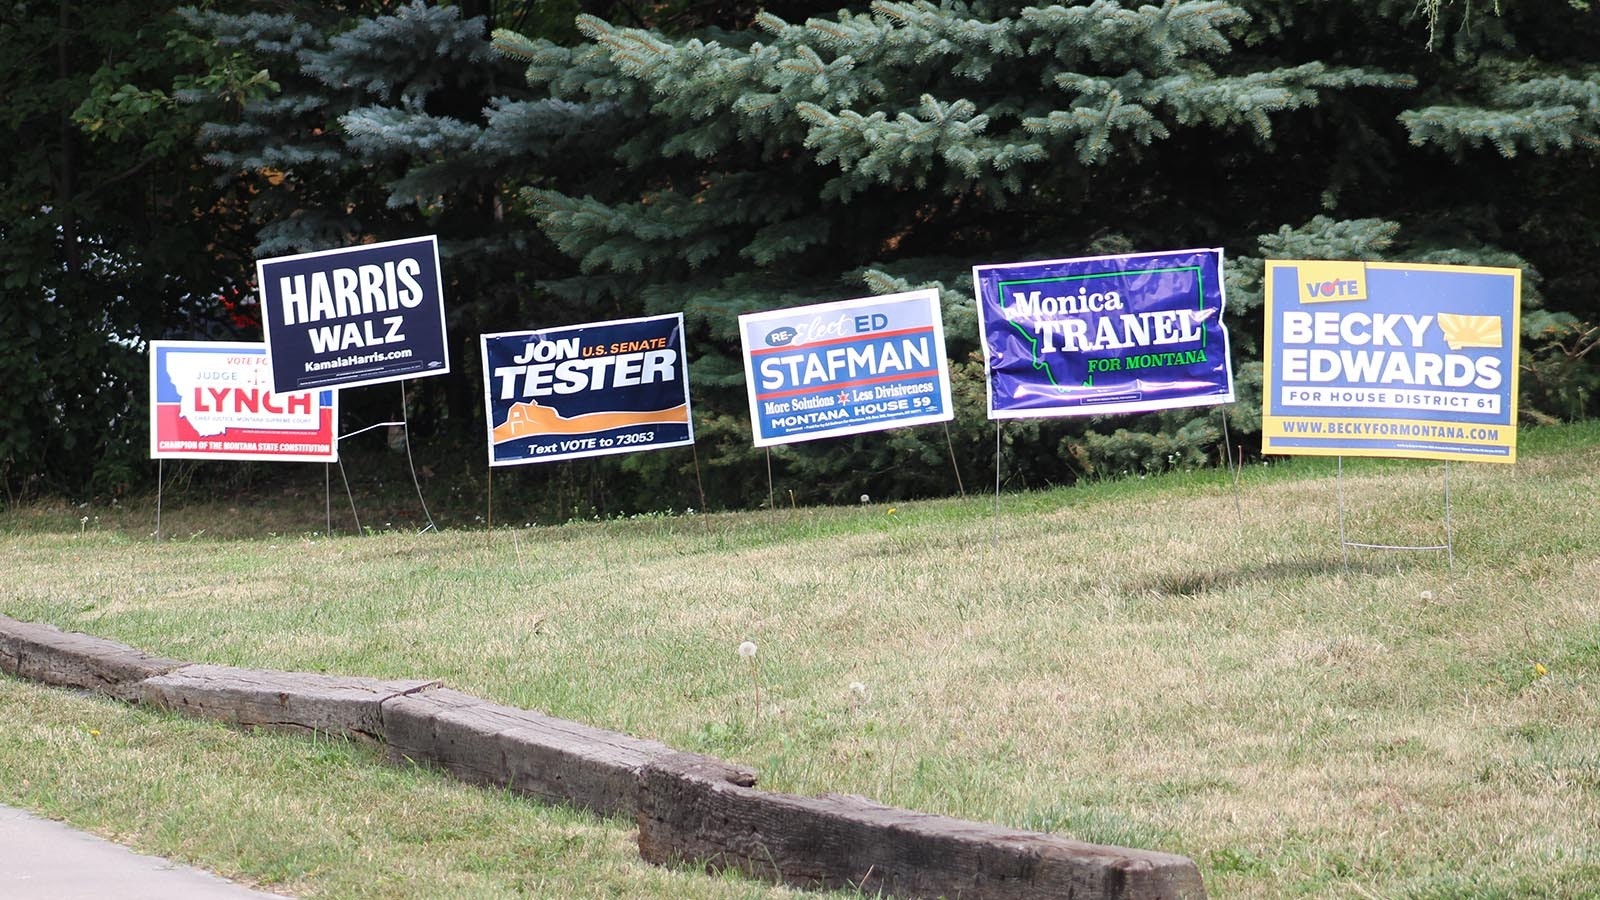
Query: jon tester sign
[(586, 390)]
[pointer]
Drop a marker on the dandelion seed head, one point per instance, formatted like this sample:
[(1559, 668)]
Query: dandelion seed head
[(1427, 595), (747, 650), (859, 689), (866, 499)]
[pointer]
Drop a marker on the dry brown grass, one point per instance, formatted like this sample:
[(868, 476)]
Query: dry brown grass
[(1132, 662)]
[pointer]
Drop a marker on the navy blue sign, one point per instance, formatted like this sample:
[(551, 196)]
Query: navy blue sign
[(359, 315), (1110, 334), (586, 390)]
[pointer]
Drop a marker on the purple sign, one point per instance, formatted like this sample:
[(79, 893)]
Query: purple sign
[(1105, 334)]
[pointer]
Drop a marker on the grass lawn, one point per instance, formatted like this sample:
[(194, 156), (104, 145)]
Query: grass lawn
[(1165, 663)]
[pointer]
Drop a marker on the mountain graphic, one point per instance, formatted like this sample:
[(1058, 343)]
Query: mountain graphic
[(529, 418)]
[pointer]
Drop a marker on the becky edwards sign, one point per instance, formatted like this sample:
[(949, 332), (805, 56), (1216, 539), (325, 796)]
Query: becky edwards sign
[(847, 367), (1105, 334), (359, 315), (586, 390), (1391, 359), (213, 400)]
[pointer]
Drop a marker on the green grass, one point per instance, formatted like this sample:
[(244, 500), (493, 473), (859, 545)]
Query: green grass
[(1159, 662)]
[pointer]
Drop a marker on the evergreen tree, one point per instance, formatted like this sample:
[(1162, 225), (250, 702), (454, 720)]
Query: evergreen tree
[(1495, 150), (722, 160), (893, 147), (391, 124)]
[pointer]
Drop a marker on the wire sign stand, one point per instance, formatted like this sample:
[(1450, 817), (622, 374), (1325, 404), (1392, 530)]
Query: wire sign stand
[(404, 423), (1449, 537)]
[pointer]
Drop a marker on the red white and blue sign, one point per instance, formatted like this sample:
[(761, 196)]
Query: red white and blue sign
[(214, 400), (844, 368), (1107, 334), (586, 390), (354, 316)]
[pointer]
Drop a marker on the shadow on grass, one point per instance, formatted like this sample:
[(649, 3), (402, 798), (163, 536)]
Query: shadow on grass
[(1195, 583)]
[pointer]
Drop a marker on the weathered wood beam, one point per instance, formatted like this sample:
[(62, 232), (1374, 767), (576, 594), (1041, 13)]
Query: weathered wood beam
[(287, 701), (47, 654), (689, 814), (555, 760)]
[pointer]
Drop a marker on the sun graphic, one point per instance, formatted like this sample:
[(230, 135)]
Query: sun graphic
[(1470, 331)]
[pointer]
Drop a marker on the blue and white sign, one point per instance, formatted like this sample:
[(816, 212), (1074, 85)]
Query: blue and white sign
[(586, 390), (354, 316), (847, 367)]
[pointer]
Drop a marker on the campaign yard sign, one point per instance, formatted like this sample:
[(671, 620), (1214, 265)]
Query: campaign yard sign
[(354, 316), (586, 390), (846, 367), (1391, 359), (214, 400), (1106, 334)]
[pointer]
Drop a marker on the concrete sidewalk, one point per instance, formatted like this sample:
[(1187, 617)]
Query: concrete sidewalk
[(45, 860)]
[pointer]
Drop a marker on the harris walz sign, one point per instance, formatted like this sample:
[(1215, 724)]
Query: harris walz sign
[(354, 316)]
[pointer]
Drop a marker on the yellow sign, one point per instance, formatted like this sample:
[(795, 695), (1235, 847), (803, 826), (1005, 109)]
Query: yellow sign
[(1391, 359), (1322, 281)]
